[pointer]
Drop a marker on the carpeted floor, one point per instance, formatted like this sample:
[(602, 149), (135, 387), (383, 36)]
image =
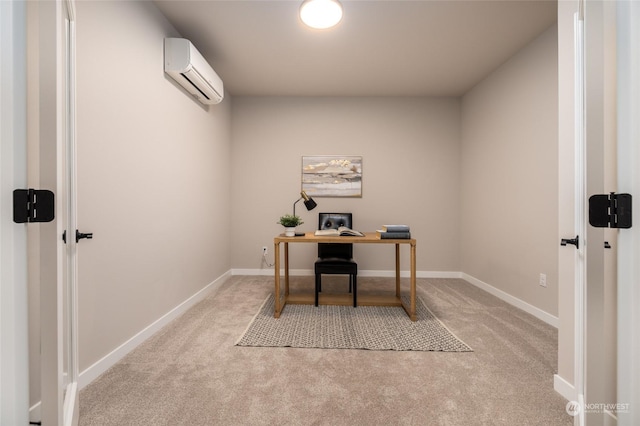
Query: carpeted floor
[(190, 373)]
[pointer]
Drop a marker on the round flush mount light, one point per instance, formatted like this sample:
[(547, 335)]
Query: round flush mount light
[(321, 14)]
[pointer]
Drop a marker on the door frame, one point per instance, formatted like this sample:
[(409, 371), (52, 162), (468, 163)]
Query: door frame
[(596, 378), (59, 389), (584, 132), (628, 71), (580, 195), (14, 349), (600, 134)]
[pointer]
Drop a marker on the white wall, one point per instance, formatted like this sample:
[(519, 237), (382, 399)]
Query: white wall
[(509, 183), (410, 150), (153, 168)]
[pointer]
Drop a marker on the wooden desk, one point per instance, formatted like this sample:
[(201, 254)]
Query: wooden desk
[(371, 300)]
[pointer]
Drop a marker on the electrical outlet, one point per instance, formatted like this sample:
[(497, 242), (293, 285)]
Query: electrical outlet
[(543, 280), (264, 250)]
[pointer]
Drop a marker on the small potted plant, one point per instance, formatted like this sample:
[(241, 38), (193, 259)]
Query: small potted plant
[(290, 222)]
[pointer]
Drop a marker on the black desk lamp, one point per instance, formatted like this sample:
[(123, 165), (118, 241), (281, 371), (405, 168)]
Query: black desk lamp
[(309, 204)]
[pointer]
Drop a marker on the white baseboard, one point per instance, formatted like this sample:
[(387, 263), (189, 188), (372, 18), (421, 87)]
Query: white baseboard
[(609, 419), (407, 274), (568, 392), (35, 414), (521, 304), (564, 388), (536, 312), (361, 273), (91, 373), (87, 376), (269, 272)]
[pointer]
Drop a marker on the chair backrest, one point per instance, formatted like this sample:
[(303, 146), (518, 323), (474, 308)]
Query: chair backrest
[(334, 221)]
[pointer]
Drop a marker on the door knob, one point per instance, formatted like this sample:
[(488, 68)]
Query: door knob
[(573, 241)]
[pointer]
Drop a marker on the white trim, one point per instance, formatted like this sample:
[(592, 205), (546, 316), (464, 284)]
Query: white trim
[(512, 300), (35, 412), (70, 406), (520, 304), (407, 274), (564, 388), (91, 373), (628, 353), (50, 72), (14, 345), (568, 392), (362, 273), (71, 398), (580, 195), (269, 272), (609, 419)]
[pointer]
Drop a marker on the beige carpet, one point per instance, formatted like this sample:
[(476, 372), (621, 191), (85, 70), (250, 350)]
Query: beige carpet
[(190, 373)]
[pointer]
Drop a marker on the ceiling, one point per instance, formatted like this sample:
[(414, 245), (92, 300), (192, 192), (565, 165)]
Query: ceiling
[(380, 48)]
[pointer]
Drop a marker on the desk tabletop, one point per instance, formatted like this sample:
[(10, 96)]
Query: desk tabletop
[(369, 237)]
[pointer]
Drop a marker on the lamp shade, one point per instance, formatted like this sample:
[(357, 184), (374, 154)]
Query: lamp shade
[(310, 204), (321, 14)]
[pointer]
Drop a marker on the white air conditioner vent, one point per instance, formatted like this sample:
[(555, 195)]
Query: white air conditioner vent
[(187, 66)]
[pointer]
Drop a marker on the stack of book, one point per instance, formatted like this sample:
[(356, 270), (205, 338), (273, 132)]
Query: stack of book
[(394, 232)]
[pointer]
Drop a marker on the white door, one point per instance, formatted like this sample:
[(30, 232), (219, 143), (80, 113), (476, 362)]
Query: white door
[(601, 167), (592, 166), (14, 378), (573, 257), (628, 389), (58, 312)]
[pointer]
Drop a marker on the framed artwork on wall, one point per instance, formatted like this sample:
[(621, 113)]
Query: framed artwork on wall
[(332, 175)]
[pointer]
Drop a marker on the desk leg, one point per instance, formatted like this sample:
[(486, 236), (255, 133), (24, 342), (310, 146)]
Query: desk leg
[(286, 269), (397, 270), (276, 271), (413, 282)]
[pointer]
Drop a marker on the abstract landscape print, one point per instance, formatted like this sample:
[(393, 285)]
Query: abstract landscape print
[(332, 176)]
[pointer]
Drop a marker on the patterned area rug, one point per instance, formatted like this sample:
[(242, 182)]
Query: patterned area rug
[(346, 327)]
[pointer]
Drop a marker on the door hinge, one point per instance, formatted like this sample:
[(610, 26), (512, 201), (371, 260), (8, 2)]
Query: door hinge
[(610, 211), (33, 205)]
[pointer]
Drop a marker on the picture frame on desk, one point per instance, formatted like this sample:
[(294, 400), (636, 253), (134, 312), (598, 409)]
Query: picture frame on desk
[(332, 175)]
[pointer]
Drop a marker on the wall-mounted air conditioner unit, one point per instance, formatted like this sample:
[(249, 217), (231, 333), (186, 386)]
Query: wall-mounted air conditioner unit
[(187, 66)]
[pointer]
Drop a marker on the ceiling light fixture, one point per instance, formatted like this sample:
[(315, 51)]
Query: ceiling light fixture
[(321, 14)]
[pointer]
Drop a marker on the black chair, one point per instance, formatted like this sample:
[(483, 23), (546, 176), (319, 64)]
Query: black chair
[(336, 258)]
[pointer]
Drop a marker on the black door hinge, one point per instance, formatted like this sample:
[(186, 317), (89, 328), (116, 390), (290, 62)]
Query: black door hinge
[(610, 211), (33, 205)]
